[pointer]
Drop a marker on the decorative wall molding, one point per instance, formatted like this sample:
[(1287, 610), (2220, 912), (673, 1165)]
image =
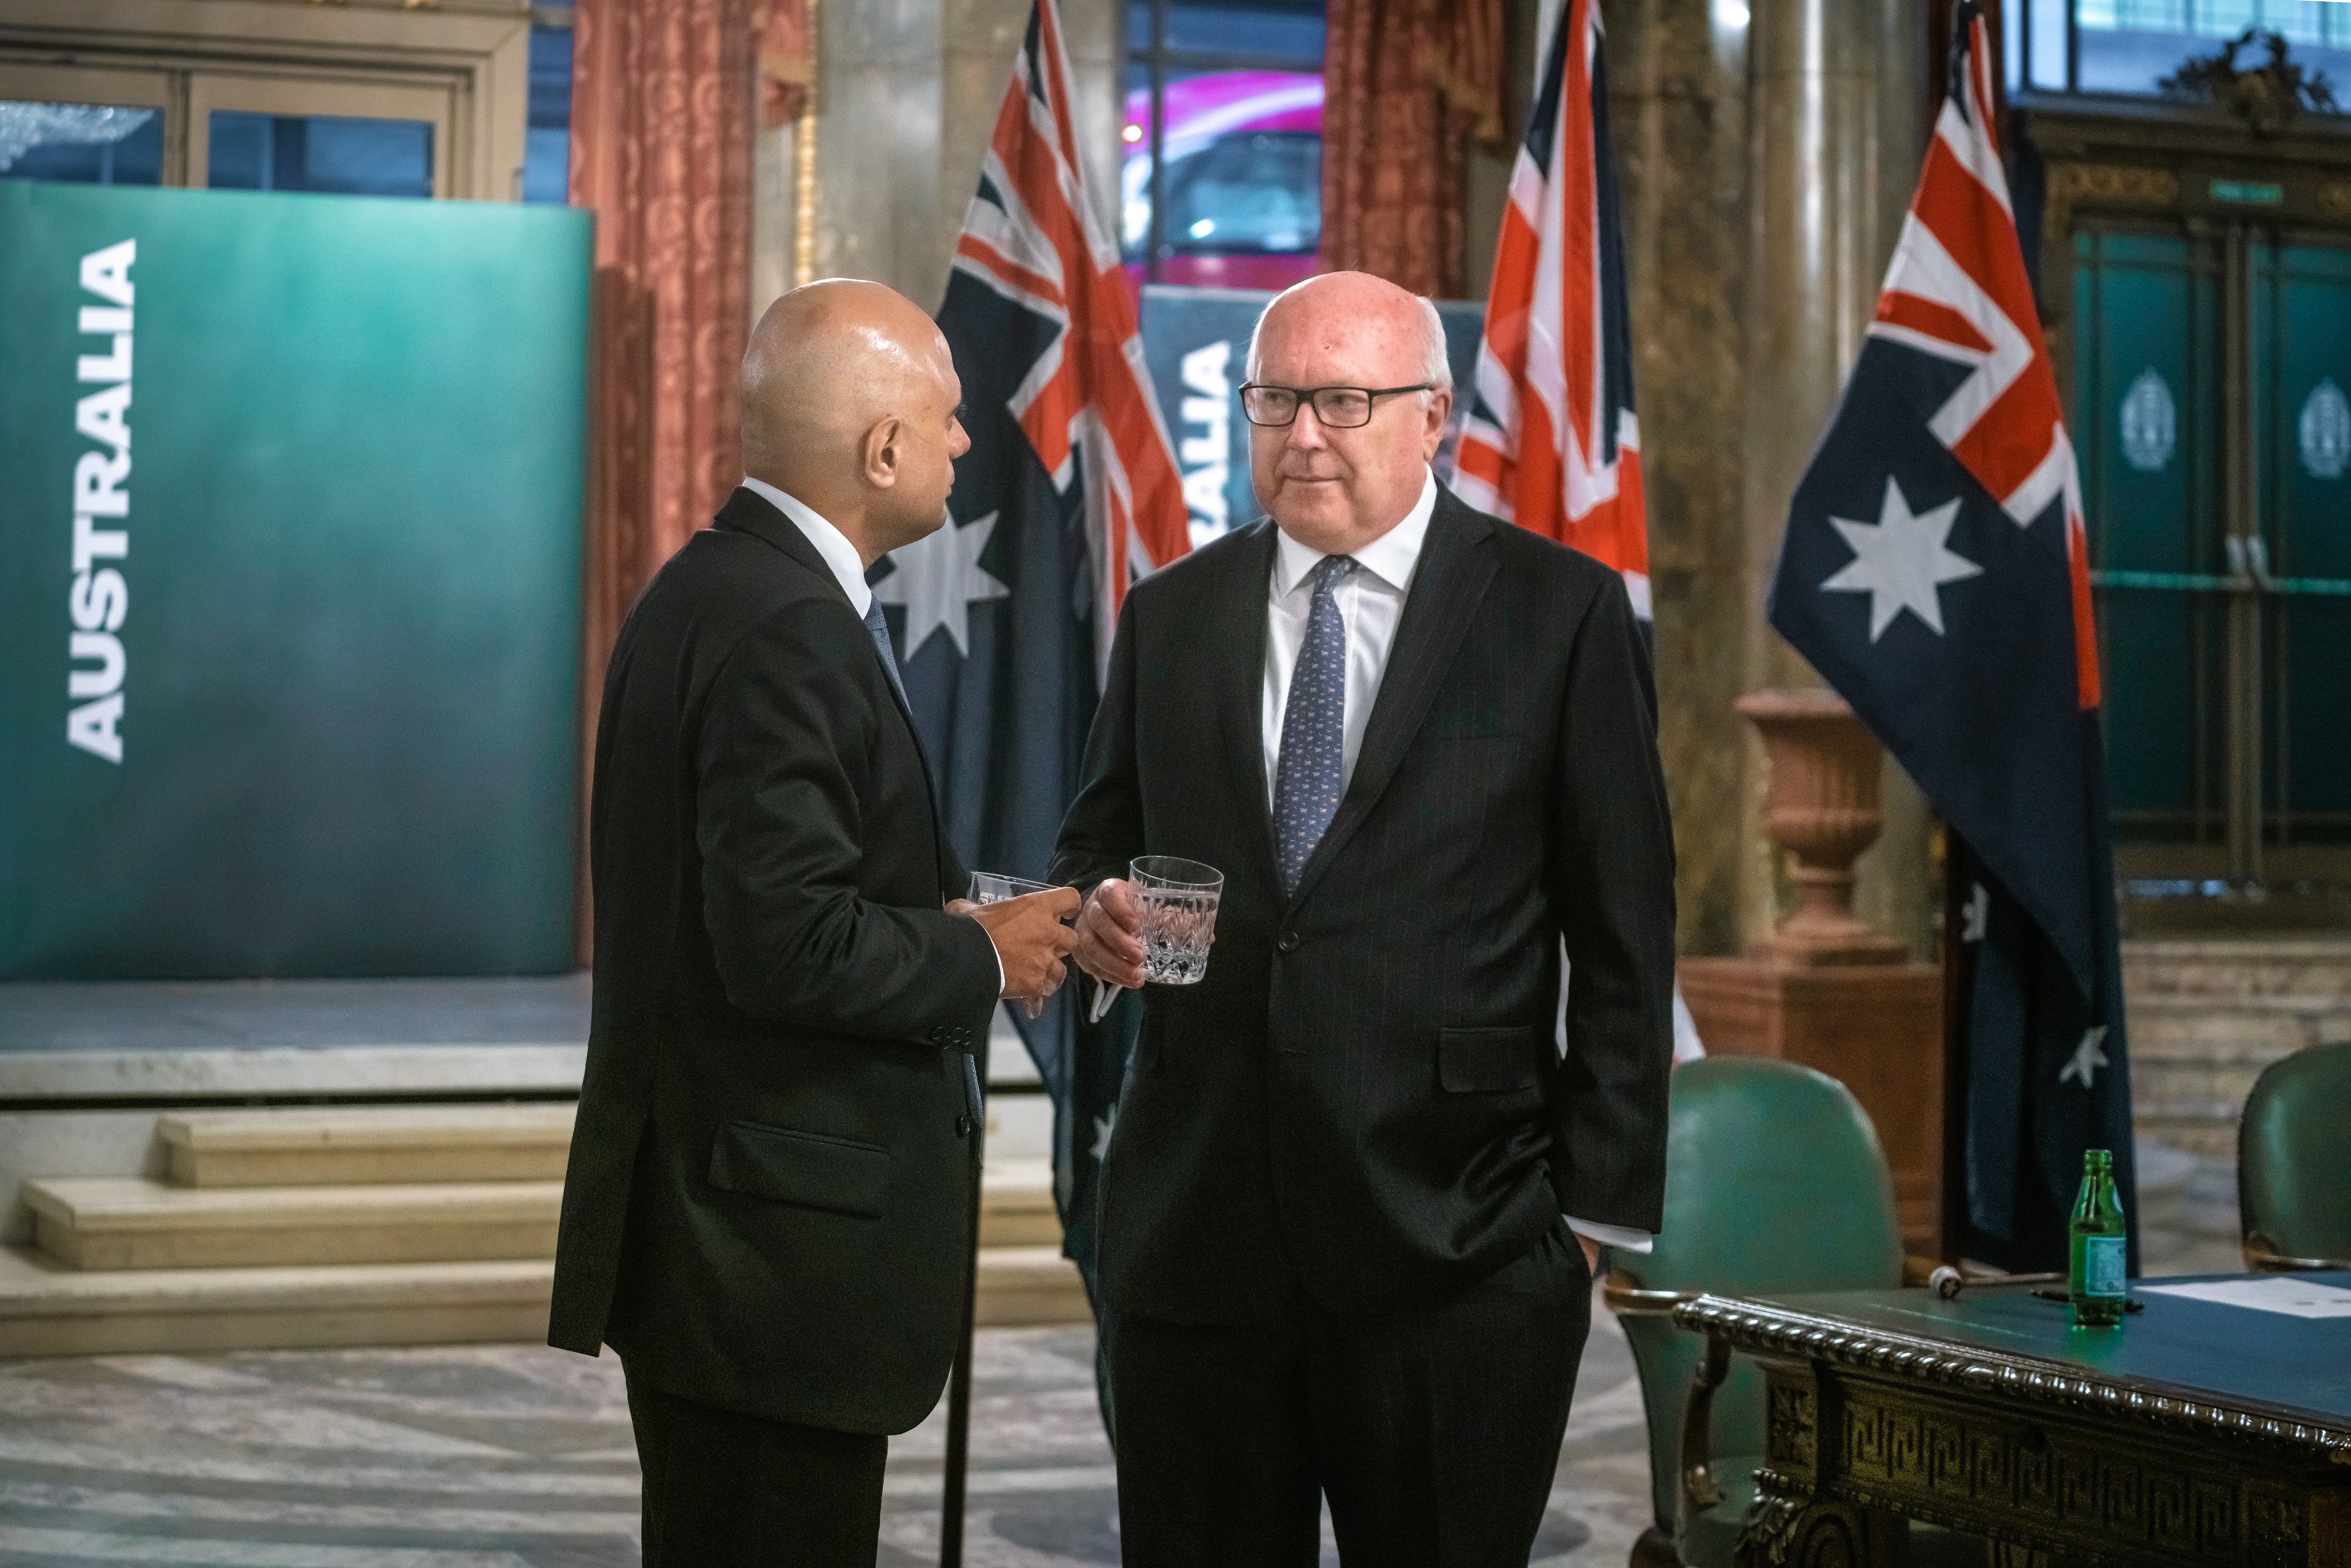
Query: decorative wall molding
[(2123, 184)]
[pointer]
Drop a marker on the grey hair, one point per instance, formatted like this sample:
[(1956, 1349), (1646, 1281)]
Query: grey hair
[(1436, 368)]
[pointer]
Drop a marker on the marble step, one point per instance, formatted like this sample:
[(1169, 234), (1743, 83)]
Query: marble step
[(2257, 1029), (2315, 967), (1028, 1286), (47, 1308), (1015, 1205), (368, 1144), (112, 1223)]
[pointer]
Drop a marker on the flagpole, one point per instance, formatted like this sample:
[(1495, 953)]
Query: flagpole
[(951, 1504), (1951, 1203)]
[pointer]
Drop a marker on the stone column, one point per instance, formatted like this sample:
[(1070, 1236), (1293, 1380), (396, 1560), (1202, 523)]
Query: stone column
[(1837, 129), (1678, 103), (907, 93)]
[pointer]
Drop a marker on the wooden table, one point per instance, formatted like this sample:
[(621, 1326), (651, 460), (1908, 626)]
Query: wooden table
[(2197, 1433)]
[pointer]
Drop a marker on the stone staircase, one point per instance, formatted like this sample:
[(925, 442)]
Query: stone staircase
[(378, 1225), (2206, 1017)]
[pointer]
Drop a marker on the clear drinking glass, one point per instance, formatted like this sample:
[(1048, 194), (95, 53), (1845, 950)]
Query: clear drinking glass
[(1177, 901), (995, 888)]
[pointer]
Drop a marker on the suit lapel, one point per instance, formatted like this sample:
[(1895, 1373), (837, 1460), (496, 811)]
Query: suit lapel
[(1236, 685), (746, 511), (1455, 567)]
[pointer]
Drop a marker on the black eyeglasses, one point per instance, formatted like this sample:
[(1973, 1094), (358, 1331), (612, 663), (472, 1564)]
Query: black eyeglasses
[(1340, 408)]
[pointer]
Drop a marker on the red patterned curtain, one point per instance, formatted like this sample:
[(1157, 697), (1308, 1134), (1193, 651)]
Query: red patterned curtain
[(662, 109), (1407, 85)]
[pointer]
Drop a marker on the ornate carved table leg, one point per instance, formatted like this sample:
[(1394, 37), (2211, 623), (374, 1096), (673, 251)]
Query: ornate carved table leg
[(1789, 1528)]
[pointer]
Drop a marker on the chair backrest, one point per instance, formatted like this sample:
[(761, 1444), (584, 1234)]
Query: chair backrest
[(2293, 1155), (1774, 1183)]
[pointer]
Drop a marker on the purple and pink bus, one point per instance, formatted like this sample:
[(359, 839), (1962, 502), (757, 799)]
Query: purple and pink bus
[(1243, 184)]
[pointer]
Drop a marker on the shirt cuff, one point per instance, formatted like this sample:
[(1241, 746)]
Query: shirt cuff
[(1616, 1235), (999, 963)]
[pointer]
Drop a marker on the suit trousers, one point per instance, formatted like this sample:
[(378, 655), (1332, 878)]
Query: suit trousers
[(1434, 1433), (724, 1490)]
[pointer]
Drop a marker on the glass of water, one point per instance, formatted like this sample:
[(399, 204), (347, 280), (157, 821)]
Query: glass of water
[(995, 888), (1177, 901)]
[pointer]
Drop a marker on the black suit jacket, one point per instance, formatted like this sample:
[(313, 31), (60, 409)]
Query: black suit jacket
[(1363, 1101), (765, 1209)]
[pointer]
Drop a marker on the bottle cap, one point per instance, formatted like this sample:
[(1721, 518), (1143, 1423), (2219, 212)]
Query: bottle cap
[(2097, 1159)]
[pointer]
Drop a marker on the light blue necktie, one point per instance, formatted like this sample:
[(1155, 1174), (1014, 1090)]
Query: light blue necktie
[(881, 629), (1306, 781)]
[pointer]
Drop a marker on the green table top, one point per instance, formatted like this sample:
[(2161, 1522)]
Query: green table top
[(2231, 1355)]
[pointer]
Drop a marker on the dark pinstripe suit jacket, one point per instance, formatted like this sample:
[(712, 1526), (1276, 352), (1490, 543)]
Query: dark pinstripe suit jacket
[(1361, 1101), (767, 1202)]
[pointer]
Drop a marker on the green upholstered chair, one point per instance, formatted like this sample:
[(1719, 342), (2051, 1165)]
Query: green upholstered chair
[(1774, 1184), (2293, 1163)]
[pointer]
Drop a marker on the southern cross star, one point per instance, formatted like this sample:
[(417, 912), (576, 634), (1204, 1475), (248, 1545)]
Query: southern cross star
[(1900, 561), (2087, 1058), (938, 579)]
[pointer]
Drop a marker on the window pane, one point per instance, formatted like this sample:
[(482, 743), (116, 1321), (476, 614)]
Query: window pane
[(1244, 178), (328, 152), (2048, 59), (81, 143), (1277, 29), (2130, 45), (547, 156)]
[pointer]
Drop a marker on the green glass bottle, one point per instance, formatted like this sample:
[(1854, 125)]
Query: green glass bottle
[(2101, 1247)]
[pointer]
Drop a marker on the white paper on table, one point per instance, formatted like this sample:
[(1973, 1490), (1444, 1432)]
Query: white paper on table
[(2273, 1293)]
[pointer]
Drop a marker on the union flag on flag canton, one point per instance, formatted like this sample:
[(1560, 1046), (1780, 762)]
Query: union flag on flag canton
[(1070, 491), (1550, 441), (1031, 237), (1936, 573)]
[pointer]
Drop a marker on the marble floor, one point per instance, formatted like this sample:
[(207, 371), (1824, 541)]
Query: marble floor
[(519, 1457)]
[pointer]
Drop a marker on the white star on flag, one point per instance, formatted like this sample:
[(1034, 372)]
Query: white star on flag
[(1900, 561), (937, 578), (2087, 1057)]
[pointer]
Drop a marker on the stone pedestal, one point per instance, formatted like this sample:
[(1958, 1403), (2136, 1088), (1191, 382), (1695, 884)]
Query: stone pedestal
[(1827, 990)]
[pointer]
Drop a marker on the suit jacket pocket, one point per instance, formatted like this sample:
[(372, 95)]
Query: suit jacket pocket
[(814, 1170), (1486, 1061)]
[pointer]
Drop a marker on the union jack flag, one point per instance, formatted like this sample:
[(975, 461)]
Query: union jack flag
[(1936, 573), (1551, 442)]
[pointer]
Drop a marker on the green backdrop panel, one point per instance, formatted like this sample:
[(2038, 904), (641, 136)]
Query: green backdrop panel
[(348, 604)]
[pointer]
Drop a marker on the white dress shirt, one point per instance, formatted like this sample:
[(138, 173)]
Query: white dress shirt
[(848, 567), (1371, 603)]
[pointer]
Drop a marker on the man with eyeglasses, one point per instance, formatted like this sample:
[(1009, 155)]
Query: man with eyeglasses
[(1352, 1202)]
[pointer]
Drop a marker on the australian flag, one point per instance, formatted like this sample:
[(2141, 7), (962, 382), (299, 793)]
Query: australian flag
[(1937, 573), (1002, 618)]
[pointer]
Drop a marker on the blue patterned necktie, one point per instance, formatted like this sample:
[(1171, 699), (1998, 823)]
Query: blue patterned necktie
[(881, 629), (1306, 781)]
